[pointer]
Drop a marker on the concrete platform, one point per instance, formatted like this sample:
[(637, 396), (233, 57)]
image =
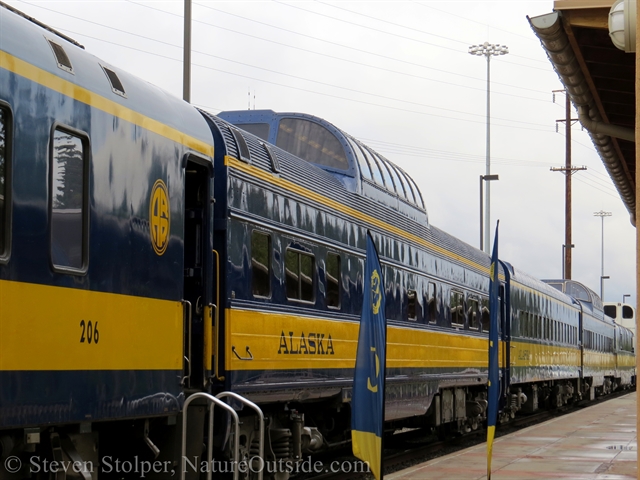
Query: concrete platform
[(596, 443)]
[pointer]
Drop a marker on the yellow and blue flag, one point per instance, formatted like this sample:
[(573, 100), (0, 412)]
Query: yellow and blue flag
[(367, 402), (494, 372)]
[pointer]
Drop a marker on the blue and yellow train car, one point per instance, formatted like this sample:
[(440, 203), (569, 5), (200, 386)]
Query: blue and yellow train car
[(95, 185)]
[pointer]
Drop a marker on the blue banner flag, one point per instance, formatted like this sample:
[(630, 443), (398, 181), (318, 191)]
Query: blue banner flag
[(494, 369), (367, 402)]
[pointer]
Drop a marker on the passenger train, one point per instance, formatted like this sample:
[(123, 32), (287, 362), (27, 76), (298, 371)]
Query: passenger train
[(153, 255)]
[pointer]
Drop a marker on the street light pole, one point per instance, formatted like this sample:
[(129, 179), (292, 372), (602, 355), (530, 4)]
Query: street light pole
[(486, 178), (602, 214), (488, 50), (186, 62), (625, 296)]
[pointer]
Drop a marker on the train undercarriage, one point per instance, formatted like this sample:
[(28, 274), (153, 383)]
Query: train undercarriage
[(293, 432)]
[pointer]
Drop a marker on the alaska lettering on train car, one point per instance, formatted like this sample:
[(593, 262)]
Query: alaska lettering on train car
[(309, 344)]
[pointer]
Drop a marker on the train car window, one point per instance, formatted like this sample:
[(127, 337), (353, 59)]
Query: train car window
[(516, 326), (522, 327), (365, 169), (577, 291), (407, 186), (4, 184), (332, 275), (384, 168), (299, 269), (412, 298), (473, 314), (431, 302), (611, 311), (457, 309), (485, 316), (261, 264), (557, 286), (68, 200), (627, 311), (258, 129), (396, 179), (311, 142), (546, 328), (375, 168), (418, 194)]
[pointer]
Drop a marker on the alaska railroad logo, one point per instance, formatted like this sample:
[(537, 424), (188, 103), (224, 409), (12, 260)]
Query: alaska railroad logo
[(159, 217), (376, 295)]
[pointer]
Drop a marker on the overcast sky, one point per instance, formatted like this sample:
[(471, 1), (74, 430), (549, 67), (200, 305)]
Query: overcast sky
[(396, 75)]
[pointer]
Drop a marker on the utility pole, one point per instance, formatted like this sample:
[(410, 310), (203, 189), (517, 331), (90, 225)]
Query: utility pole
[(568, 170)]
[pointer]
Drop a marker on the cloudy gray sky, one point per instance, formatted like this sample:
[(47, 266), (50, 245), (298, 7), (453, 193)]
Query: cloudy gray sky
[(397, 75)]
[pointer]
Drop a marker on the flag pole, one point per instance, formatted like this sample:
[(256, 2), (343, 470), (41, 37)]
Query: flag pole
[(493, 377)]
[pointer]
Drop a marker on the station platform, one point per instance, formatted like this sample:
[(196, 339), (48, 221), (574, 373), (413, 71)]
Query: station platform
[(595, 443)]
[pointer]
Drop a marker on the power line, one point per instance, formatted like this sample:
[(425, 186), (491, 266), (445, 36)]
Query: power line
[(292, 76), (394, 34), (297, 88), (360, 50), (273, 71), (484, 24)]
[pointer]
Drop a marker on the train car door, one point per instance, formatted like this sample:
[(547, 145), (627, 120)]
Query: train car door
[(505, 329), (199, 308)]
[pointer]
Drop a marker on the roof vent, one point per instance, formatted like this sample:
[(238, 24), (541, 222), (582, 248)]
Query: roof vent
[(61, 56), (275, 163), (243, 149), (116, 84)]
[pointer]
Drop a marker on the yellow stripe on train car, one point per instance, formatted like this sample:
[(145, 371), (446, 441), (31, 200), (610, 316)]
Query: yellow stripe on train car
[(626, 360), (599, 360), (530, 354), (53, 328), (71, 90), (276, 341)]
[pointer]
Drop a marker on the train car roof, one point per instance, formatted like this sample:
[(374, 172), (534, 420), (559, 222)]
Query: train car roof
[(358, 166), (580, 292), (530, 281), (33, 50), (286, 166)]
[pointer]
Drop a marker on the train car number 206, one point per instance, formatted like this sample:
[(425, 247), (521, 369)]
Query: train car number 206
[(89, 332)]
